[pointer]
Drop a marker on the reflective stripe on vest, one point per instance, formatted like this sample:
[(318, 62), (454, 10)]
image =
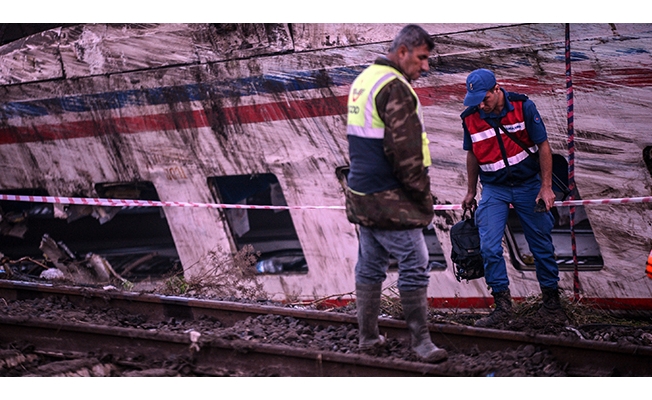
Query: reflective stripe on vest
[(487, 151), (648, 268), (363, 119)]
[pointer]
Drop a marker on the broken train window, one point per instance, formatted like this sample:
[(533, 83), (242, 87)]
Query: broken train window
[(140, 241), (269, 232), (589, 257), (647, 158), (132, 242)]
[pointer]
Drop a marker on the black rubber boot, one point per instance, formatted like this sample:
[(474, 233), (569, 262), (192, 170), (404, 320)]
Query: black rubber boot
[(415, 310), (551, 308), (502, 312), (367, 302)]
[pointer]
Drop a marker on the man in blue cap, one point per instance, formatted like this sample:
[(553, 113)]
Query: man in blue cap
[(509, 174)]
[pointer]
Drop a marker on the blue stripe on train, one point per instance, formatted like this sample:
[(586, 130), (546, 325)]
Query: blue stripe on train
[(264, 84)]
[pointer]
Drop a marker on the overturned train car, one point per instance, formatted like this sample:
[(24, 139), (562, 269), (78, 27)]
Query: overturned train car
[(254, 114)]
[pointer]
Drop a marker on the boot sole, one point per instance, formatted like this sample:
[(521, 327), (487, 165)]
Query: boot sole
[(437, 356), (375, 345)]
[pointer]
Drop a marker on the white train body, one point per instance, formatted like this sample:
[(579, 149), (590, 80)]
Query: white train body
[(182, 105)]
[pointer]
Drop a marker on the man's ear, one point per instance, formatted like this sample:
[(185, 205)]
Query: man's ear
[(402, 51)]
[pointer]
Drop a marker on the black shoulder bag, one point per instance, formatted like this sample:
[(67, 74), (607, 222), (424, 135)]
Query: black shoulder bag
[(465, 251)]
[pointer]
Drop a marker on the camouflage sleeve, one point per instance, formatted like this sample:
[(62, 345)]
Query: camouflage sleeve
[(402, 142)]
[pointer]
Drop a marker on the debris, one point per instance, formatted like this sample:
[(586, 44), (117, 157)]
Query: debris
[(105, 214), (194, 337), (75, 212), (59, 211), (147, 257), (100, 266), (52, 274), (65, 248), (578, 333), (13, 224), (53, 253), (103, 267), (93, 269), (269, 266), (31, 260)]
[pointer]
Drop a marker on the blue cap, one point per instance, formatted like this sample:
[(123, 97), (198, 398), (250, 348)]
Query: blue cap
[(478, 83)]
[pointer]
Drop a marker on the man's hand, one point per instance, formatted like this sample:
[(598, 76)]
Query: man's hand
[(469, 202), (548, 196), (472, 170)]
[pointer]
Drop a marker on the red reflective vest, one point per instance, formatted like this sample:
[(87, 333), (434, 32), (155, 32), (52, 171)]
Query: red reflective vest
[(485, 144)]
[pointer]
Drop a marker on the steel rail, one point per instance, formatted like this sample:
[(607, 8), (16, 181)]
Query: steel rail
[(579, 354), (208, 354)]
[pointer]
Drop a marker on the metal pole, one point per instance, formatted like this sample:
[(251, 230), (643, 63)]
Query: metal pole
[(571, 164)]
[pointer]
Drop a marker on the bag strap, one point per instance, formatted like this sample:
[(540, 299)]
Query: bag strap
[(560, 184), (503, 152), (471, 212)]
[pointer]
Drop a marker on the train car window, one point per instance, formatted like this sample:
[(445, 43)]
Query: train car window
[(269, 232), (436, 261), (588, 253), (136, 241), (141, 243), (647, 158)]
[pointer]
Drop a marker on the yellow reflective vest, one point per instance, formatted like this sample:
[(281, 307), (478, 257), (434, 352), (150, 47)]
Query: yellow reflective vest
[(363, 118)]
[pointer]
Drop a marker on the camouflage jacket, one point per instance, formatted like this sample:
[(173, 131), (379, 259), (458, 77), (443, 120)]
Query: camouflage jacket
[(410, 205)]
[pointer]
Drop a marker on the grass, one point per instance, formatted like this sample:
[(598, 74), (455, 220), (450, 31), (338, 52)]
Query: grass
[(222, 275)]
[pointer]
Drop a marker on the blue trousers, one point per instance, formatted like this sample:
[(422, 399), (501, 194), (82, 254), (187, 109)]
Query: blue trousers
[(491, 218), (408, 247)]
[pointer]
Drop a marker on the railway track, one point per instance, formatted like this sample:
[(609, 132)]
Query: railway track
[(147, 349)]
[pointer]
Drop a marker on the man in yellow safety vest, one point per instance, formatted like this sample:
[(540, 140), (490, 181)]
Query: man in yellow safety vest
[(388, 193)]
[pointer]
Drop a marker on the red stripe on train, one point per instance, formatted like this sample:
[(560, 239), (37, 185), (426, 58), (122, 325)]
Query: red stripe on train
[(288, 110), (176, 121)]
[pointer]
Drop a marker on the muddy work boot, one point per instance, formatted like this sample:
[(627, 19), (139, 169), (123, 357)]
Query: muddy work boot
[(551, 308), (502, 312), (367, 302), (415, 310)]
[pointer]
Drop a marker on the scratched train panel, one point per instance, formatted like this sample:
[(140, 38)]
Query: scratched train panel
[(255, 114)]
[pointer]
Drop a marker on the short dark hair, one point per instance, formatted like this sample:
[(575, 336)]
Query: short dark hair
[(412, 36)]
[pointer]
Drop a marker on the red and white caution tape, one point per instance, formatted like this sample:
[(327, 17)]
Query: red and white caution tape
[(625, 200), (89, 201)]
